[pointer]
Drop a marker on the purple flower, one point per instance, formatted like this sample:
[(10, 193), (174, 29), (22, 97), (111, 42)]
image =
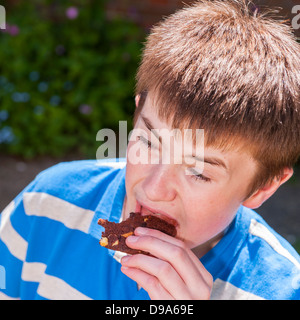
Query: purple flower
[(72, 13), (85, 109), (13, 29)]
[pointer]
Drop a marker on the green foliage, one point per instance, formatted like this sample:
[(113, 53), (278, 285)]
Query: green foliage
[(297, 245), (65, 73)]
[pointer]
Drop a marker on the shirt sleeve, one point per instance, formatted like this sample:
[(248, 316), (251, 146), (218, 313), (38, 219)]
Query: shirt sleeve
[(14, 231)]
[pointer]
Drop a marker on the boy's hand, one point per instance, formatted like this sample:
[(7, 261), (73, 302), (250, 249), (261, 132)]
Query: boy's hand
[(173, 273)]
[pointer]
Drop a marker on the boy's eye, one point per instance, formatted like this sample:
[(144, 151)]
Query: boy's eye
[(145, 141), (201, 177), (197, 176)]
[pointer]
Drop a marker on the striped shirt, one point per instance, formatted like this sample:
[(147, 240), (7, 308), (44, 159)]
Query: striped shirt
[(49, 243)]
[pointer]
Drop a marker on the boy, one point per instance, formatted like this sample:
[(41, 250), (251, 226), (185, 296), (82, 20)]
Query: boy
[(213, 66)]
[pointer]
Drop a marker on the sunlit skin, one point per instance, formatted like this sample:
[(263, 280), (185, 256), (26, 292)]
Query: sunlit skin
[(203, 205)]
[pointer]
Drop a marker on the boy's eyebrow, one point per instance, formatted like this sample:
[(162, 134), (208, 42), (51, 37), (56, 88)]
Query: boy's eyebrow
[(210, 160), (150, 127), (147, 122)]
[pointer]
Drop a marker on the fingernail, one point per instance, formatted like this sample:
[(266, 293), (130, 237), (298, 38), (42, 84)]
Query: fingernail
[(141, 231), (132, 239), (124, 259)]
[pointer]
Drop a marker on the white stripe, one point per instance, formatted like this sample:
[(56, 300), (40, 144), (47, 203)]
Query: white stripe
[(54, 288), (13, 241), (223, 290), (5, 215), (33, 271), (259, 230), (45, 205), (113, 164), (50, 287), (118, 255)]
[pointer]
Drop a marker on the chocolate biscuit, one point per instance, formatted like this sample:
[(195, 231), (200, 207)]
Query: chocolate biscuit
[(115, 234)]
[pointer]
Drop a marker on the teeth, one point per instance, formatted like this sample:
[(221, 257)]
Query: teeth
[(145, 212)]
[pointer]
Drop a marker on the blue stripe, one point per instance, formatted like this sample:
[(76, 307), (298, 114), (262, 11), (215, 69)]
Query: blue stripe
[(13, 269)]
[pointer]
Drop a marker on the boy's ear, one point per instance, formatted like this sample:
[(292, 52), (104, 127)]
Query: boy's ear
[(137, 100), (265, 192)]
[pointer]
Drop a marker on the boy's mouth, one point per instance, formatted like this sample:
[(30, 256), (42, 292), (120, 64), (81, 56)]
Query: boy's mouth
[(149, 211)]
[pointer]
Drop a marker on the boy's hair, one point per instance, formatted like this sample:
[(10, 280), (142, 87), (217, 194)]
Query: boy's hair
[(225, 68)]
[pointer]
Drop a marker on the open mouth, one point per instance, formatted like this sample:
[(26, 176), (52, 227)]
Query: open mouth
[(147, 211)]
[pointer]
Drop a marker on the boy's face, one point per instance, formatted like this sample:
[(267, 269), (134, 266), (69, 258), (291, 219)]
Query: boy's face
[(203, 202)]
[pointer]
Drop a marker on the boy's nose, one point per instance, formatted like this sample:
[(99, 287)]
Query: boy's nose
[(160, 183)]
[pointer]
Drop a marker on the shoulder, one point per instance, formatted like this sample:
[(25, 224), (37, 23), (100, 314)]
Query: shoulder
[(78, 182), (275, 265), (80, 170), (272, 243)]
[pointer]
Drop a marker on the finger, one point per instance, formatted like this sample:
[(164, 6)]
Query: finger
[(177, 242), (161, 270), (148, 283), (193, 275)]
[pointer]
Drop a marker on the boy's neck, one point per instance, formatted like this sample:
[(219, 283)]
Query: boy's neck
[(202, 249)]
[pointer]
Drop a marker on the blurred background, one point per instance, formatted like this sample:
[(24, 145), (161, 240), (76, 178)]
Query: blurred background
[(68, 69)]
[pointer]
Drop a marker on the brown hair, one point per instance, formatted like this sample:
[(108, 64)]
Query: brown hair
[(234, 72)]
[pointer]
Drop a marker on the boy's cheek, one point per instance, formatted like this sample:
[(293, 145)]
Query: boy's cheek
[(206, 225)]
